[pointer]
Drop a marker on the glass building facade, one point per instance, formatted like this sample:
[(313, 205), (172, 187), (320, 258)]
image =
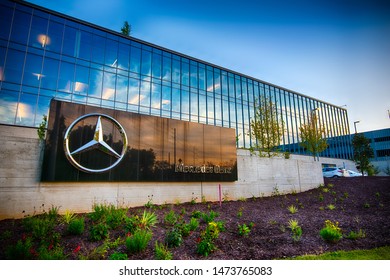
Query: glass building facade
[(46, 55)]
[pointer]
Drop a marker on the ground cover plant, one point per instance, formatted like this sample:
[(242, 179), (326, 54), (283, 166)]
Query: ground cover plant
[(252, 228)]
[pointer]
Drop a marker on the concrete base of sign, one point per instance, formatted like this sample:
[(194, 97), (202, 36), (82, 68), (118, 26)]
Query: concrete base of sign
[(22, 193)]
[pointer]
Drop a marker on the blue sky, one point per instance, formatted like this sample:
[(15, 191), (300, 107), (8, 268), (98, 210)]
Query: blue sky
[(336, 51)]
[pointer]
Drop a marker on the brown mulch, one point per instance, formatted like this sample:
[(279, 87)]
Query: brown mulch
[(360, 204)]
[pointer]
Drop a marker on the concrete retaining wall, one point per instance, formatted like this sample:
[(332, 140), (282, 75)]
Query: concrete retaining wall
[(22, 193)]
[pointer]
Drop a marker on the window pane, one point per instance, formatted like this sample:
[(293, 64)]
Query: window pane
[(157, 66), (134, 91), (217, 81), (194, 76), (111, 56), (156, 99), (122, 83), (202, 79), (20, 27), (14, 66), (210, 81), (54, 34), (145, 97), (185, 102), (166, 98), (146, 63), (194, 106), (69, 46), (124, 56), (5, 22), (175, 71), (8, 104), (81, 80), (98, 44), (210, 109), (26, 110), (32, 70), (38, 38), (185, 75), (176, 100), (85, 45), (95, 83), (166, 68), (49, 73), (109, 86), (135, 60)]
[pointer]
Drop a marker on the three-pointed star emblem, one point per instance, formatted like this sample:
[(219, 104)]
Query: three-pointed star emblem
[(96, 143)]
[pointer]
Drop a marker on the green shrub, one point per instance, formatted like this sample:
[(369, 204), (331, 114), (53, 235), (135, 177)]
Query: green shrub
[(208, 218), (331, 207), (118, 256), (76, 226), (171, 218), (148, 220), (100, 212), (162, 252), (331, 232), (296, 230), (131, 224), (138, 241), (243, 230), (173, 238), (356, 235), (68, 216), (22, 250), (206, 243), (98, 232), (115, 217), (205, 247), (196, 214), (53, 212), (56, 253), (193, 224), (292, 209)]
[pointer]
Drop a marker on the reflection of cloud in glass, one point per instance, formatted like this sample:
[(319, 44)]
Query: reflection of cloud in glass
[(24, 111), (108, 93), (7, 111), (80, 87), (67, 87), (137, 99), (212, 87)]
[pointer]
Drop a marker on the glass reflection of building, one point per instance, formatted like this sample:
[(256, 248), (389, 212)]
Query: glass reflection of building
[(45, 55)]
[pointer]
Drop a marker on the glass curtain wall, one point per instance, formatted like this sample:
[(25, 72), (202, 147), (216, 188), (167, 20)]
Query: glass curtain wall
[(44, 56)]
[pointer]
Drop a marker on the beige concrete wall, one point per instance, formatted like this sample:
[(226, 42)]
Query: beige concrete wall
[(22, 193)]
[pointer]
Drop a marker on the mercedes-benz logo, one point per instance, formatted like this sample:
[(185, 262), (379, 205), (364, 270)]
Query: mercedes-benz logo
[(97, 143)]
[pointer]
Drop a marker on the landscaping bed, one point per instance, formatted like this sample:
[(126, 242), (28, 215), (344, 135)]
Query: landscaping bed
[(358, 211)]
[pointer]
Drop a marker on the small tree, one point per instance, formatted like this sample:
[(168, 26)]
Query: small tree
[(126, 29), (312, 136), (266, 128), (362, 151)]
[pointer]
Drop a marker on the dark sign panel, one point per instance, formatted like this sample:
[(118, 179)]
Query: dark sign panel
[(86, 143)]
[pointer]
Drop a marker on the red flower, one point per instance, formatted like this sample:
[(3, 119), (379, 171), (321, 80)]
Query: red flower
[(50, 247), (77, 249), (33, 252)]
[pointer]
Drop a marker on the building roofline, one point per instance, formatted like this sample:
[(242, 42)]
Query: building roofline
[(92, 25)]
